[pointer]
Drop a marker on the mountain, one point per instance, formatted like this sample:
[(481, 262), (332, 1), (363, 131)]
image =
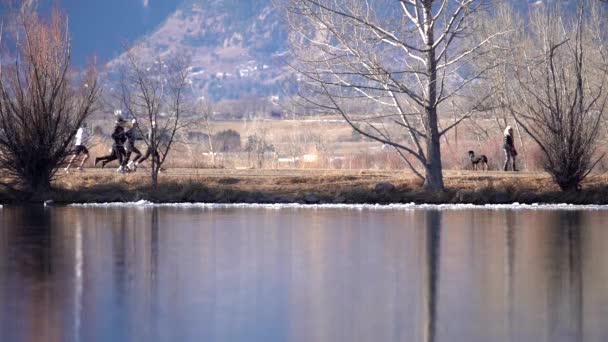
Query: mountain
[(236, 46)]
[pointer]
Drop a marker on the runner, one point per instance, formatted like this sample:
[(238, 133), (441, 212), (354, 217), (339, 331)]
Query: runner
[(81, 137), (118, 149), (131, 135)]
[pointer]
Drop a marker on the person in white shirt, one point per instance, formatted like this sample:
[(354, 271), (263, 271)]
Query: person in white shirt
[(81, 138)]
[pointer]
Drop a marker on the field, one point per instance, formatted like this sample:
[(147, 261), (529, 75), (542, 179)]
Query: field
[(326, 143), (313, 186)]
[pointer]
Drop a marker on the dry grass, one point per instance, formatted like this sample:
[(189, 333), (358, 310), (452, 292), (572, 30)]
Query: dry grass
[(313, 186)]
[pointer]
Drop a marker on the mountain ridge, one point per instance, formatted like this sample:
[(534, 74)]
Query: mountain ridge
[(237, 47)]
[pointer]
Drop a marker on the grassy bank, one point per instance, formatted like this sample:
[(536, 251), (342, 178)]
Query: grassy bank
[(311, 186)]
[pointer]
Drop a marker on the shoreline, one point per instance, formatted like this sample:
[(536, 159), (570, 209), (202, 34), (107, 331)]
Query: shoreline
[(311, 187), (358, 207)]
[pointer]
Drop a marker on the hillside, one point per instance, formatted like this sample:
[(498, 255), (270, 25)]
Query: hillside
[(238, 48)]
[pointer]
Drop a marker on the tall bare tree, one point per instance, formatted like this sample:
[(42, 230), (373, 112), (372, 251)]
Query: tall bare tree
[(389, 67), (156, 93), (206, 119), (43, 100), (259, 143), (557, 96)]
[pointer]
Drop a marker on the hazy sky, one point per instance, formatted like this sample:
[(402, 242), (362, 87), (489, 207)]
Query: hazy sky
[(102, 27)]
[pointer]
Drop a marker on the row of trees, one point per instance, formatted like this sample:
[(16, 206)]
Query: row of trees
[(390, 68)]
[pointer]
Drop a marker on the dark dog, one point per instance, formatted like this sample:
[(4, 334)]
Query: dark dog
[(476, 161)]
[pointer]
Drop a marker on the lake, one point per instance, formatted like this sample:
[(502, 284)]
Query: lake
[(298, 274)]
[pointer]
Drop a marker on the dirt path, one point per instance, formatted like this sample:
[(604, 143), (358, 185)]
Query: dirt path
[(265, 173), (297, 181)]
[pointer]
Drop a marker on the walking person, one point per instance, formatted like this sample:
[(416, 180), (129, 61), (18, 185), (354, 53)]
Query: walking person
[(509, 148), (132, 134), (118, 149), (81, 138)]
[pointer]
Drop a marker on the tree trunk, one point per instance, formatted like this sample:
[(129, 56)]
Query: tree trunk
[(433, 168), (154, 169), (154, 177), (37, 182), (39, 185)]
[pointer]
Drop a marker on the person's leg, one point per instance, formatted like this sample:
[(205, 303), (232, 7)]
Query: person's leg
[(98, 159), (125, 161), (110, 158), (106, 159), (120, 153), (133, 163), (85, 157), (513, 161), (84, 160), (67, 168), (137, 153), (507, 160), (145, 157)]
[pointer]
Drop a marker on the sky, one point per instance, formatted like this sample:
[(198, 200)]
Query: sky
[(101, 28)]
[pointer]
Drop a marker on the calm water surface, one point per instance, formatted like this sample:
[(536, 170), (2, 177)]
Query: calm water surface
[(169, 274)]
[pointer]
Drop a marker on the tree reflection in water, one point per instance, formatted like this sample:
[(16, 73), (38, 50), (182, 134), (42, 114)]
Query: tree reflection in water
[(433, 251)]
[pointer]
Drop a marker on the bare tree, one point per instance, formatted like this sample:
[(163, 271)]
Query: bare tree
[(43, 100), (597, 30), (556, 96), (206, 118), (155, 93), (389, 66), (258, 143)]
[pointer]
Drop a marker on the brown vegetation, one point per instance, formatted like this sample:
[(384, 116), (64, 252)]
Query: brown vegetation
[(43, 100), (314, 186)]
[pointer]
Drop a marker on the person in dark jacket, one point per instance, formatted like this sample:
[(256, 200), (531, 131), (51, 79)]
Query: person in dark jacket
[(118, 148), (509, 148), (131, 135)]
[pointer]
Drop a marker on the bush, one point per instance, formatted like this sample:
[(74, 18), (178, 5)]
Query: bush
[(227, 141)]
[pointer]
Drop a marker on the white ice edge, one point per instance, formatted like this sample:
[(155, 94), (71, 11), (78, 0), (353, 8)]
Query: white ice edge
[(407, 206)]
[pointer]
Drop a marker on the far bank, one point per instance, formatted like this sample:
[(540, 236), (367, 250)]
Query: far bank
[(310, 187)]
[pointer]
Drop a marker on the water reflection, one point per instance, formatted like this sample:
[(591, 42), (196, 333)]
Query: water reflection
[(70, 274), (433, 247)]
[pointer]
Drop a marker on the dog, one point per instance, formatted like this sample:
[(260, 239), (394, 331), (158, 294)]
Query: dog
[(476, 161)]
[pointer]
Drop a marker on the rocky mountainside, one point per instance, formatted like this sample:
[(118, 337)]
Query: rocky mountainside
[(237, 46)]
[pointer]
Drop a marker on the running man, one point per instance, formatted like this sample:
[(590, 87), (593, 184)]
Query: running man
[(131, 135), (81, 137), (118, 149)]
